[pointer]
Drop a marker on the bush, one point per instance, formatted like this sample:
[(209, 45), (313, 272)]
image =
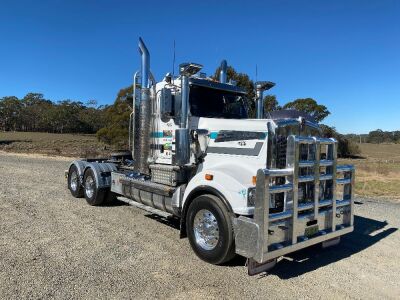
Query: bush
[(117, 119), (346, 147)]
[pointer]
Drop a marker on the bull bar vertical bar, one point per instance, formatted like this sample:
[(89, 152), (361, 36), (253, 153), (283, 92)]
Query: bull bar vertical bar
[(332, 155)]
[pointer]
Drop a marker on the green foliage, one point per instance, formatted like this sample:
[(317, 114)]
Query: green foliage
[(310, 106), (10, 112), (376, 137), (271, 103), (346, 147), (242, 80), (117, 119), (35, 113), (379, 136)]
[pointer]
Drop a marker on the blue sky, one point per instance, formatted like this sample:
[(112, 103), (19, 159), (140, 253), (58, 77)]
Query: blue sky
[(344, 54)]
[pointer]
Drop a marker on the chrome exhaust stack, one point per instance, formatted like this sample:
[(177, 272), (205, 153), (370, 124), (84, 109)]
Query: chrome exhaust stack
[(222, 72), (182, 143), (143, 131), (261, 86)]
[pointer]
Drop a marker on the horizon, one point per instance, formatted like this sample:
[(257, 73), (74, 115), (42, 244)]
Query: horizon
[(342, 54)]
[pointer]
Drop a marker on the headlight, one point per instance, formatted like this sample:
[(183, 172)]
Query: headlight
[(251, 196)]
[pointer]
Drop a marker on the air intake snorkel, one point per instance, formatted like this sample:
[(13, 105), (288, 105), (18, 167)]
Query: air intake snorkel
[(222, 72), (262, 86), (182, 144)]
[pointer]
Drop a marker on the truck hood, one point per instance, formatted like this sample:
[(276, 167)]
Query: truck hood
[(215, 125)]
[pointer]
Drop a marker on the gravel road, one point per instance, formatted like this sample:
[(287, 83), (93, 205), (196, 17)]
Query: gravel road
[(55, 246)]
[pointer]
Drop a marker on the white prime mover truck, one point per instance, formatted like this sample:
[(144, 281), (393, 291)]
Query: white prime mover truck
[(260, 188)]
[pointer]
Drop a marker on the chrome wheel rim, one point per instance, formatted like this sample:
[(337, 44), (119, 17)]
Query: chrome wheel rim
[(74, 181), (89, 186), (206, 230)]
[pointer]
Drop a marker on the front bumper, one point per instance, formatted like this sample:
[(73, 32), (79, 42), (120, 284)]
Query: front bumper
[(267, 235)]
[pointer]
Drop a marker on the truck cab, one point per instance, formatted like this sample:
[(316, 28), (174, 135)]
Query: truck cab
[(259, 187)]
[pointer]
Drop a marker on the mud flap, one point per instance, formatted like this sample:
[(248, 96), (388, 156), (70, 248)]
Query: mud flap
[(330, 243), (255, 268)]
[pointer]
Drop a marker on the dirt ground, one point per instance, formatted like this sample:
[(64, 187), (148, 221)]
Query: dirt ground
[(55, 246), (69, 145)]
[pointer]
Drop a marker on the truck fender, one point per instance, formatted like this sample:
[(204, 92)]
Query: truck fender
[(102, 173), (200, 190), (80, 166)]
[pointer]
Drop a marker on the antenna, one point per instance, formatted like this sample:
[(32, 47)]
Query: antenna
[(255, 86), (173, 64)]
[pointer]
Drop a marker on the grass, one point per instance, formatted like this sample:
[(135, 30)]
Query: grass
[(378, 172), (71, 145)]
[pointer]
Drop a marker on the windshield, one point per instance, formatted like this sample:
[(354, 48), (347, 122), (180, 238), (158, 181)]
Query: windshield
[(213, 103)]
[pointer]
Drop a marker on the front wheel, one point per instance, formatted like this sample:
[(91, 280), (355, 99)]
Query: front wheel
[(210, 229)]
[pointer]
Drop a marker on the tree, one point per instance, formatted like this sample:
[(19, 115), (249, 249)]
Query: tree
[(271, 104), (91, 103), (310, 106), (117, 119), (242, 80), (346, 147), (35, 112), (10, 113)]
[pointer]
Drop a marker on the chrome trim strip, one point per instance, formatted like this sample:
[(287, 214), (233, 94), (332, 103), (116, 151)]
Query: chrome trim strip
[(306, 163), (280, 216), (325, 162), (280, 188), (340, 203), (343, 181), (323, 203), (325, 177), (306, 243), (306, 178), (237, 151), (278, 172), (345, 168)]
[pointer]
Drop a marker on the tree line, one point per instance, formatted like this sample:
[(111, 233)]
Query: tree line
[(376, 137), (35, 113)]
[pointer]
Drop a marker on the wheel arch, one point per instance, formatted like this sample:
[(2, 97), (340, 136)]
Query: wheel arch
[(196, 192), (81, 167), (102, 173)]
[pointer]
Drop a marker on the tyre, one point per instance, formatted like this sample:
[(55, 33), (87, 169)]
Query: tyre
[(209, 229), (74, 184), (93, 195)]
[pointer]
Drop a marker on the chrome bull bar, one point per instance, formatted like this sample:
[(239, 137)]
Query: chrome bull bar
[(269, 235)]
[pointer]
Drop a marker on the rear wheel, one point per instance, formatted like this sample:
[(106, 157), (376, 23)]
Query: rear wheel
[(93, 195), (74, 184), (210, 230)]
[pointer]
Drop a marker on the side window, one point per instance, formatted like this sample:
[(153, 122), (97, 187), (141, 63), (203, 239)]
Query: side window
[(176, 103)]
